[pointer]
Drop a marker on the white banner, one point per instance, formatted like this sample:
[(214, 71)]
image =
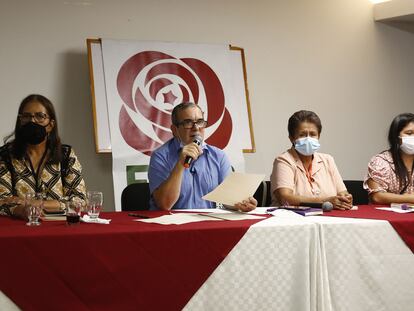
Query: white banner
[(145, 80)]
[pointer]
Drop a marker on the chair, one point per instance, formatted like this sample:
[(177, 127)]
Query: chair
[(262, 194), (135, 197), (359, 194)]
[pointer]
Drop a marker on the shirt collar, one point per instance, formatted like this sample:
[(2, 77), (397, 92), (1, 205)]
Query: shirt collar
[(316, 161)]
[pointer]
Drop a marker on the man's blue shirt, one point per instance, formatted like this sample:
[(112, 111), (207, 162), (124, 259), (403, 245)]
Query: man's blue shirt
[(204, 174)]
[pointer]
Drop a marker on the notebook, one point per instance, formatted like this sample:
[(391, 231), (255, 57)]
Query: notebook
[(304, 211)]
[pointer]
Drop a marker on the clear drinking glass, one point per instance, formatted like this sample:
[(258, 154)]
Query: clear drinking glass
[(94, 203), (34, 206)]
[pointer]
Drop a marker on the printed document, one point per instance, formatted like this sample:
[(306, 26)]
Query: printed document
[(235, 188)]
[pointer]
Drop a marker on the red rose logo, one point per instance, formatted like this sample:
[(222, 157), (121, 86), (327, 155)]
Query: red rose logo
[(151, 83)]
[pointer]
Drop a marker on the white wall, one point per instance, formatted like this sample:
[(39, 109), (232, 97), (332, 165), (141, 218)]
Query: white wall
[(324, 55)]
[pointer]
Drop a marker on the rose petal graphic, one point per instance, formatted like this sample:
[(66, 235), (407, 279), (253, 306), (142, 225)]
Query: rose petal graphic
[(162, 134), (130, 70), (157, 85), (133, 136), (161, 75), (177, 70), (150, 112), (186, 96), (221, 137), (212, 86)]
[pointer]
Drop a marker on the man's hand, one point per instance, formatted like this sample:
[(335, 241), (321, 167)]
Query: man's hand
[(246, 205), (191, 150)]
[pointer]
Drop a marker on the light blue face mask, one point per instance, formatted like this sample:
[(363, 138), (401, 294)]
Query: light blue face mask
[(307, 145)]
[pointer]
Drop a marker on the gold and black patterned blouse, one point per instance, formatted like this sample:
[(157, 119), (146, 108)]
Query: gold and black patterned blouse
[(56, 181)]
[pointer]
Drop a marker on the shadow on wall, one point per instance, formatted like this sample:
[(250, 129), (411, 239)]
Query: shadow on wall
[(406, 26), (76, 124)]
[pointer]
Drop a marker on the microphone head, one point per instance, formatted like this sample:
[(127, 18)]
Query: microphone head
[(197, 139), (327, 206)]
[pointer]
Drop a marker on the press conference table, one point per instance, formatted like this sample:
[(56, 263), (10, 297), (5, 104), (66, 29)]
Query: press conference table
[(280, 263)]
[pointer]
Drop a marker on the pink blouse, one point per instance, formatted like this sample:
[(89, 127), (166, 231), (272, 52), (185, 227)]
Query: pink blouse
[(381, 169), (288, 172)]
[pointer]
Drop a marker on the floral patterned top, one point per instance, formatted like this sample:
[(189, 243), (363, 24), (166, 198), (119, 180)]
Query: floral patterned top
[(55, 181), (381, 169)]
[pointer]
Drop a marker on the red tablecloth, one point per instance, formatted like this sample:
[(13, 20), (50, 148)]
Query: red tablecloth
[(402, 223), (126, 265)]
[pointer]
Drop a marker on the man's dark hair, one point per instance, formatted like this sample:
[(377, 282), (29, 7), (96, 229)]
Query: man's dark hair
[(180, 107), (303, 116)]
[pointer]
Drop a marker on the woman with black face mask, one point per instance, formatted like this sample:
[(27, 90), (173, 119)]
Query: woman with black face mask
[(35, 161)]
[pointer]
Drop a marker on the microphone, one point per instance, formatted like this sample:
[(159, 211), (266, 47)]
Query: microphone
[(325, 206), (187, 162)]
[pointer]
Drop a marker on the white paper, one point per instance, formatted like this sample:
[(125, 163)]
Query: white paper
[(235, 188), (90, 220), (177, 219), (284, 213), (185, 218), (396, 210), (259, 211), (203, 210), (232, 216), (403, 206)]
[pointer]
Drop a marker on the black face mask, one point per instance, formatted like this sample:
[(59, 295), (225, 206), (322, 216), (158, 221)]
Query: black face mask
[(32, 133)]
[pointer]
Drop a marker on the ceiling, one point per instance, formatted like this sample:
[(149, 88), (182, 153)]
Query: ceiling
[(396, 13)]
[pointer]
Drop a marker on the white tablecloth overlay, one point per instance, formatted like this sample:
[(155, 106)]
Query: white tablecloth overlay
[(313, 263), (6, 304), (368, 266), (272, 266)]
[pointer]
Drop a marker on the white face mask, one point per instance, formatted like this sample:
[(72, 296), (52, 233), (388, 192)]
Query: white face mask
[(407, 145)]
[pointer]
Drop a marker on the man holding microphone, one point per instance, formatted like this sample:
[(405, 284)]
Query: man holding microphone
[(184, 169)]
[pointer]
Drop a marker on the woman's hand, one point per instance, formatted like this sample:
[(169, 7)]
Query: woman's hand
[(13, 200), (408, 197), (19, 209), (16, 206), (342, 201)]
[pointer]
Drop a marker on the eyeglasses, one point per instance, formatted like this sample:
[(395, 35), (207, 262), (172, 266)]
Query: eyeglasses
[(39, 117), (189, 124)]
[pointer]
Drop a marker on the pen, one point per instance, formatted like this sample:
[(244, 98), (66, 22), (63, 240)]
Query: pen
[(138, 215)]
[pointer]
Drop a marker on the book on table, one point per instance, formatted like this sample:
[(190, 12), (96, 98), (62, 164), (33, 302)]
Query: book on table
[(53, 215), (305, 211), (302, 210)]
